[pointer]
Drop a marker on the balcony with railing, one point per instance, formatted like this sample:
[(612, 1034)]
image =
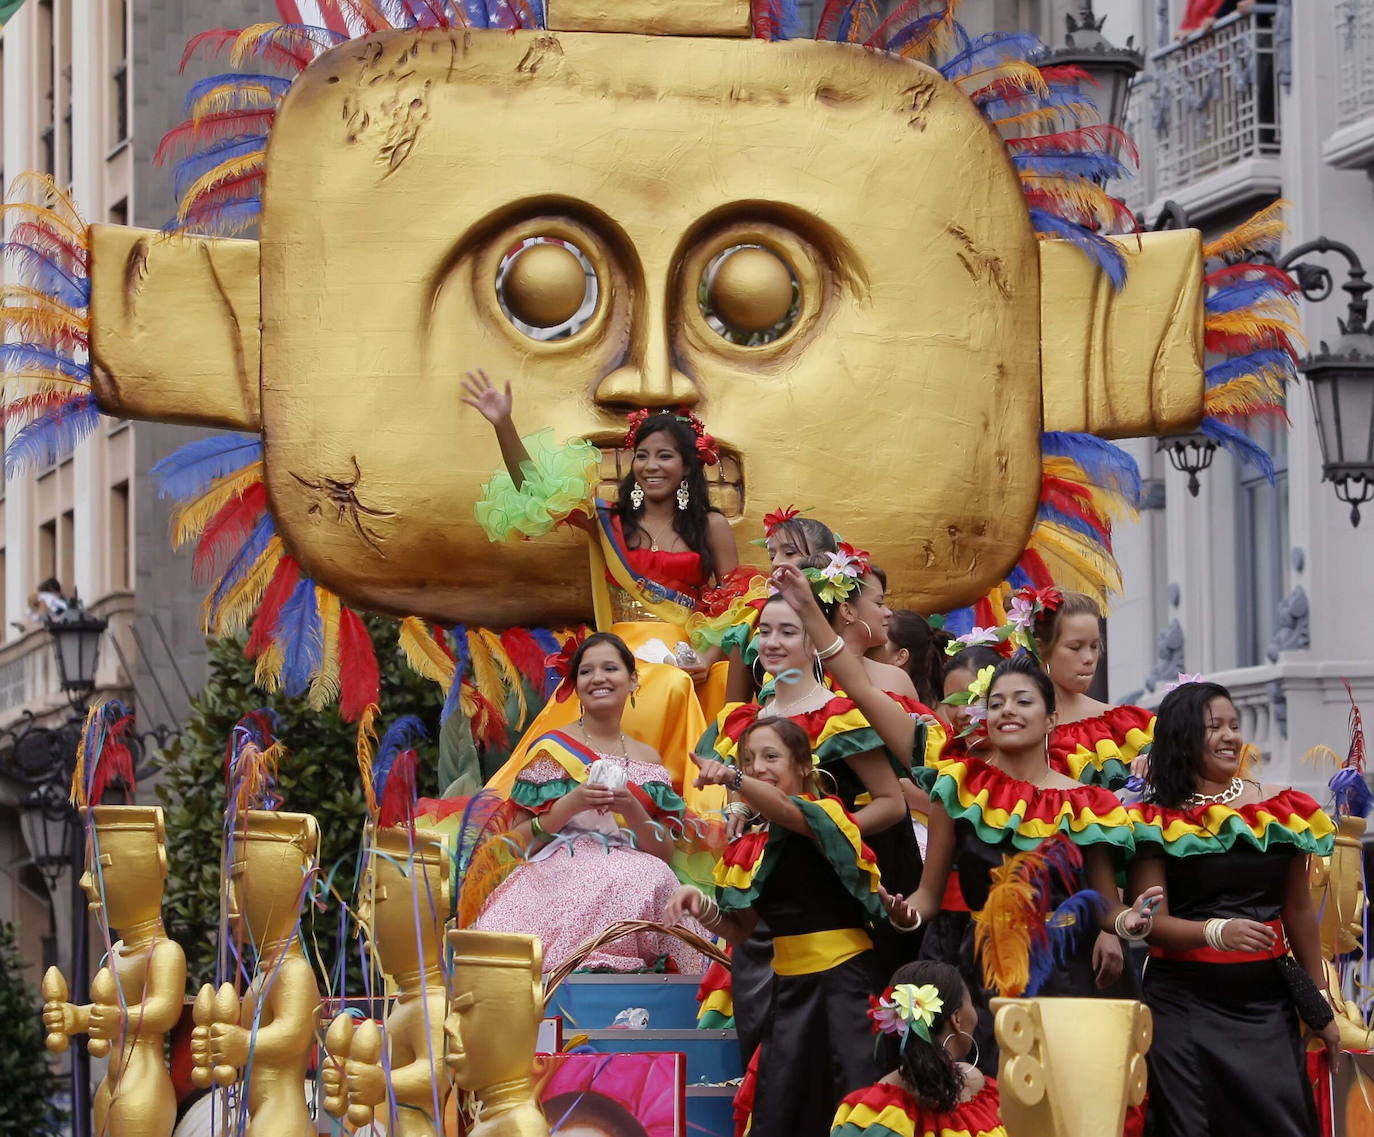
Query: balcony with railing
[(1206, 116), (1352, 145)]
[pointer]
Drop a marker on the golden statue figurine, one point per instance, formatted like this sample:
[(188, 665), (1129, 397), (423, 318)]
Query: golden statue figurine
[(1070, 1067), (266, 1039), (137, 997), (493, 1022), (1337, 885), (404, 901)]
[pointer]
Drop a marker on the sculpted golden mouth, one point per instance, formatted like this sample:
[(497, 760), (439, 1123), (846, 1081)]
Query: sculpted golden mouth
[(725, 478)]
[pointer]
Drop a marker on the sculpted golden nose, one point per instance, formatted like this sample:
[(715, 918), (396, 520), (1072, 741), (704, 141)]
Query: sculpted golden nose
[(648, 378)]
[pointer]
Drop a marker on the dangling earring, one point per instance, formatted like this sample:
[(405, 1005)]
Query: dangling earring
[(684, 495), (632, 695), (637, 497), (963, 1034)]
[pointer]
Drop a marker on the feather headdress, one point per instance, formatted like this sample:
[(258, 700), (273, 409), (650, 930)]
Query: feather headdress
[(251, 758), (103, 756)]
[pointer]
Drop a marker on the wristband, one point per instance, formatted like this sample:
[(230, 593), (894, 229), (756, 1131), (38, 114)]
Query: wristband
[(738, 783), (537, 829), (836, 646), (916, 927), (1121, 931)]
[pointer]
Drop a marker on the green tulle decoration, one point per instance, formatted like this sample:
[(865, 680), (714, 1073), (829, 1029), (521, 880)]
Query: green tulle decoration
[(559, 480)]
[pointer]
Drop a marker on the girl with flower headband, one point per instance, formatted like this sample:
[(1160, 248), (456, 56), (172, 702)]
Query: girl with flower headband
[(654, 550), (597, 809), (1094, 742), (928, 1016), (806, 871)]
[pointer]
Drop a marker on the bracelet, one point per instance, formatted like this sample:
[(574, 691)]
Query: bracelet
[(1132, 936), (916, 927), (738, 783), (836, 646), (1214, 932), (736, 809), (537, 829), (712, 914)]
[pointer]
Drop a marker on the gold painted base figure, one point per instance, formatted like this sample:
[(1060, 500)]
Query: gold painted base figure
[(136, 999), (266, 1040), (492, 1026), (404, 899)]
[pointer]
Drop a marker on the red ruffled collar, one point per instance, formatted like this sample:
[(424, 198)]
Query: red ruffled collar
[(980, 1114), (1114, 723), (1002, 789), (1285, 804)]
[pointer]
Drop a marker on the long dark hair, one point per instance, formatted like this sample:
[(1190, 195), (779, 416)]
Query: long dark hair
[(691, 523), (1025, 664), (925, 649), (793, 738), (1180, 738), (814, 536), (972, 659), (926, 1067)]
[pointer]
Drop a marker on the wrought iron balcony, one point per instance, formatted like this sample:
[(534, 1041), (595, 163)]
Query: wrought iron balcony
[(1209, 103)]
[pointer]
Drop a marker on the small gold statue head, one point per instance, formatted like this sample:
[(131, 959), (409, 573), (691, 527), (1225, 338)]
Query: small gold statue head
[(496, 1007), (274, 854), (126, 862), (405, 896)]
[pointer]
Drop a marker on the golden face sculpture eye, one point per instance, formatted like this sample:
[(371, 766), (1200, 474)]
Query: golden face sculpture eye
[(547, 288), (750, 295)]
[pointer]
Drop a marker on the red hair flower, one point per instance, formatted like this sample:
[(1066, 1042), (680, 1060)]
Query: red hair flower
[(778, 517), (560, 663), (707, 451)]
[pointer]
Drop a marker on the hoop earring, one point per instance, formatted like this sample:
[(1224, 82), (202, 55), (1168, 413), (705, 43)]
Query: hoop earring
[(867, 629), (637, 497), (684, 495), (818, 668), (758, 671), (963, 1034)]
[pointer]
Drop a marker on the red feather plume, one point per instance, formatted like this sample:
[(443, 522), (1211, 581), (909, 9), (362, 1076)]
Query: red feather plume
[(359, 677), (194, 133), (115, 762), (397, 806), (282, 584), (524, 652), (227, 530)]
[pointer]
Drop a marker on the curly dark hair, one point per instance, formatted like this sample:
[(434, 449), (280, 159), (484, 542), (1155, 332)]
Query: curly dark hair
[(926, 1067), (691, 524), (1023, 663), (1180, 738)]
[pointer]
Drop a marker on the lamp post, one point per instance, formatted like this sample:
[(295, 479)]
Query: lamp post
[(40, 759), (1110, 68)]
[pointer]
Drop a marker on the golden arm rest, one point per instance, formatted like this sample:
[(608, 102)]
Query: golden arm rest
[(175, 333), (1123, 364)]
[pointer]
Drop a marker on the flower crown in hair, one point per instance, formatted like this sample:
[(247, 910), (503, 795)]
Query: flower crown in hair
[(707, 451), (1183, 680), (1027, 606), (778, 518), (560, 663), (839, 578), (974, 697), (904, 1009)]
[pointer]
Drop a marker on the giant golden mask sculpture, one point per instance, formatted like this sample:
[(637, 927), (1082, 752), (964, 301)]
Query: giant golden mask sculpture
[(919, 335)]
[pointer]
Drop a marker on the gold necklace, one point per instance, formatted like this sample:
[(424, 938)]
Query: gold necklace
[(777, 707), (624, 754)]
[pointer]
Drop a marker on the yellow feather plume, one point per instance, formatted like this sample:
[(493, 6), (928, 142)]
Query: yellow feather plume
[(267, 673), (47, 325), (1076, 564), (1002, 930), (25, 294), (486, 676), (1262, 231), (324, 686), (510, 675), (425, 657), (491, 862), (1025, 76), (232, 614), (38, 193), (39, 381), (230, 96), (230, 168), (1106, 501), (1244, 394), (1083, 197), (1045, 119), (252, 770), (189, 520), (367, 751), (242, 50)]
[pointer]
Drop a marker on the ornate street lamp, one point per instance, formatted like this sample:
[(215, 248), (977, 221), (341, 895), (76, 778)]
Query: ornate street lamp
[(1111, 68), (1188, 454), (76, 642), (1341, 377)]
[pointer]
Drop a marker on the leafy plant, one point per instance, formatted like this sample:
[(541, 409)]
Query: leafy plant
[(319, 776), (28, 1086)]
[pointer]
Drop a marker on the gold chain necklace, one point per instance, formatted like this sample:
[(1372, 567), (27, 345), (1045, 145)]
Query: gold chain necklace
[(624, 754)]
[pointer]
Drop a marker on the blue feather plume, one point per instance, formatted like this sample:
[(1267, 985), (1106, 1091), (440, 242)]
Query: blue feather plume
[(458, 644), (990, 50), (252, 548), (44, 274), (1351, 792), (277, 85), (406, 733), (52, 435), (224, 219), (194, 166), (549, 642), (1093, 166), (1266, 359), (1105, 465), (1050, 515), (22, 356), (1240, 444), (187, 473), (298, 630), (1103, 252), (959, 622), (1071, 922), (1243, 294)]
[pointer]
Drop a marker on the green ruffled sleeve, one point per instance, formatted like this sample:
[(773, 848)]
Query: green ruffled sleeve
[(559, 480)]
